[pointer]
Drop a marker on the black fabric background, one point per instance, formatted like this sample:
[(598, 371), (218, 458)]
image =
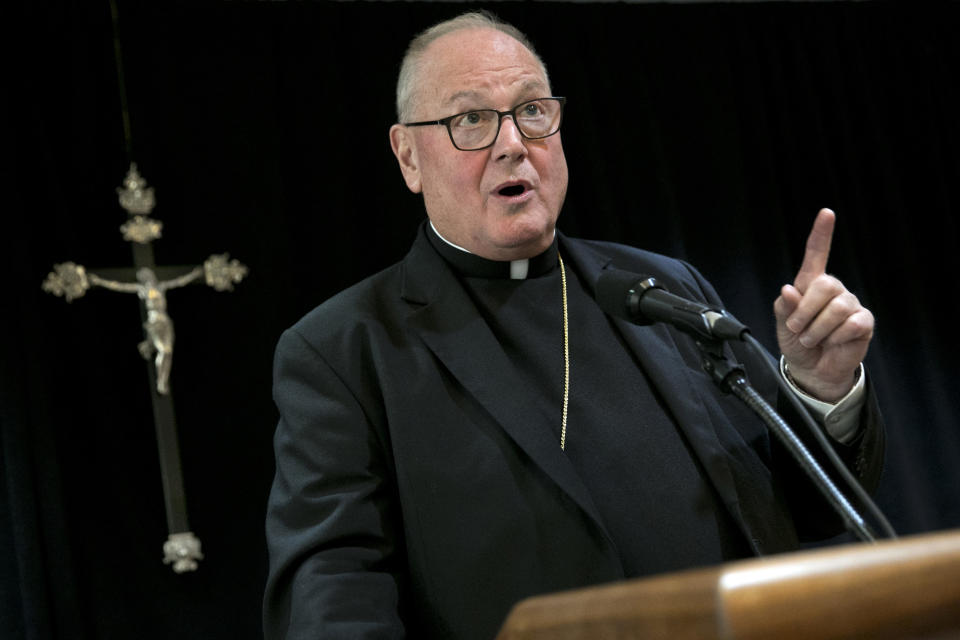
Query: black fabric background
[(710, 132)]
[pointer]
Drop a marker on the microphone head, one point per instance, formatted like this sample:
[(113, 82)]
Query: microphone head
[(618, 294)]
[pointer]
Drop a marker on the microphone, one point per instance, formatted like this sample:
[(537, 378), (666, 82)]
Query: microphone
[(640, 299)]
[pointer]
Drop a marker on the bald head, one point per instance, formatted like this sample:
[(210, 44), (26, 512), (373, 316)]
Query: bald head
[(409, 80)]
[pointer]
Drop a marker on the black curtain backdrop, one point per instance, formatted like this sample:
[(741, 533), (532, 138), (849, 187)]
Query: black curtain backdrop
[(710, 132)]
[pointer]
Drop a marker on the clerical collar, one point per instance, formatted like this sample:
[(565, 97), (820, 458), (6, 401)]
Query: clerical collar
[(470, 264)]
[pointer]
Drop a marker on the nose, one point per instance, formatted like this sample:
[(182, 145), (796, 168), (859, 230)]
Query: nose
[(510, 144)]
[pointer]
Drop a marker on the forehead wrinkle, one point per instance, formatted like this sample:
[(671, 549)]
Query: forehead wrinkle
[(463, 94), (526, 88)]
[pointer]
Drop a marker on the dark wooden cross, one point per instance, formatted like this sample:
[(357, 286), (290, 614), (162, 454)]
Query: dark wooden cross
[(151, 282)]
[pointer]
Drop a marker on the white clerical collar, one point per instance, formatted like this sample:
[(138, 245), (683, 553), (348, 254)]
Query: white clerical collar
[(518, 268)]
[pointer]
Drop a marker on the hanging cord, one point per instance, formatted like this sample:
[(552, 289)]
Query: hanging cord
[(121, 83)]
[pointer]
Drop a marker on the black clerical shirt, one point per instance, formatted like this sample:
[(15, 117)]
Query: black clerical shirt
[(650, 490)]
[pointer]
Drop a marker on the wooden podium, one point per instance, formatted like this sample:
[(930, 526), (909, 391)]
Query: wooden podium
[(908, 588)]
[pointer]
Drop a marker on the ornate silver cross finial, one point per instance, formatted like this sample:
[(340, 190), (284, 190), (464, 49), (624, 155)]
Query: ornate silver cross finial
[(221, 273), (182, 550), (67, 279), (135, 196), (141, 229), (139, 201)]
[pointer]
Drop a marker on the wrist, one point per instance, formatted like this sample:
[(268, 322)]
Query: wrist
[(840, 419), (816, 388)]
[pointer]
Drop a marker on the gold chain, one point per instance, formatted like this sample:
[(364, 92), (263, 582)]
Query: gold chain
[(566, 358)]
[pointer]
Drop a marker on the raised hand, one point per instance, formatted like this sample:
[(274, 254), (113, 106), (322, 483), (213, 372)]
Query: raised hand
[(822, 328)]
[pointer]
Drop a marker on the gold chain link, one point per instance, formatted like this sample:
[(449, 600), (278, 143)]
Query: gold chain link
[(566, 358)]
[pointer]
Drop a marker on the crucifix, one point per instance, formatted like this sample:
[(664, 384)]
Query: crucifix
[(150, 283)]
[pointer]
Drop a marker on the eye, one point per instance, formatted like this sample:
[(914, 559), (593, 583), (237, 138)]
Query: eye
[(471, 119), (532, 110)]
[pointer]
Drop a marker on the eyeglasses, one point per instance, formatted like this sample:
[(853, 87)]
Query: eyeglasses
[(478, 129)]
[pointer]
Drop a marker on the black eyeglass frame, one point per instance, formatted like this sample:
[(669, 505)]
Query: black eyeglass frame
[(500, 116)]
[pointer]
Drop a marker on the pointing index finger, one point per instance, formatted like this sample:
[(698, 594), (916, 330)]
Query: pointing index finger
[(817, 251)]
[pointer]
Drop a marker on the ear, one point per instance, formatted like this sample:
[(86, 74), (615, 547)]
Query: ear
[(405, 149)]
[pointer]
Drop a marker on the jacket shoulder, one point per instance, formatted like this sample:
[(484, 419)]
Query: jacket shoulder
[(675, 274), (373, 299)]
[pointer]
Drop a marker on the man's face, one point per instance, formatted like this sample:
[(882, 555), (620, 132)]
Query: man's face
[(462, 190)]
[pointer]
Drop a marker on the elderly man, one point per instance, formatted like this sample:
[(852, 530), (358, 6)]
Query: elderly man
[(467, 427)]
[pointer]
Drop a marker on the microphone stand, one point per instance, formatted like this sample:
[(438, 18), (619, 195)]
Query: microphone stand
[(732, 379)]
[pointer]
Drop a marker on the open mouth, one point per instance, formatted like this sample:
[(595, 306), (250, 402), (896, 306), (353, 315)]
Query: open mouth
[(512, 190)]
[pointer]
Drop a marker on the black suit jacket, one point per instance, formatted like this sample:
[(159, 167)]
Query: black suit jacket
[(417, 491)]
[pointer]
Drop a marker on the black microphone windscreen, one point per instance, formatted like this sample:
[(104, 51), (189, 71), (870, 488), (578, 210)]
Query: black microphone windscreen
[(613, 290)]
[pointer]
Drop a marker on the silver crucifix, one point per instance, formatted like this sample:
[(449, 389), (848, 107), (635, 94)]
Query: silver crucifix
[(72, 281)]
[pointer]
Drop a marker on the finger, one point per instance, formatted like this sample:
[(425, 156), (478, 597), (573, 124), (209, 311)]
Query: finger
[(786, 303), (841, 320), (817, 251), (858, 327), (820, 291)]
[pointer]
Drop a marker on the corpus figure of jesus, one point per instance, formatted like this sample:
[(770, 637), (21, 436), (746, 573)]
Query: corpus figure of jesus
[(158, 325)]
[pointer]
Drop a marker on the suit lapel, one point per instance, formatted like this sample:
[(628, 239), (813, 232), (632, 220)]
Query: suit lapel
[(672, 376), (451, 326)]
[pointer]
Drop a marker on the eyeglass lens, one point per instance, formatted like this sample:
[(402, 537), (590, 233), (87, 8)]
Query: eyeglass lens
[(478, 129)]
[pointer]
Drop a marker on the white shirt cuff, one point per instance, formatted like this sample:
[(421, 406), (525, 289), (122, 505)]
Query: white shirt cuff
[(840, 419)]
